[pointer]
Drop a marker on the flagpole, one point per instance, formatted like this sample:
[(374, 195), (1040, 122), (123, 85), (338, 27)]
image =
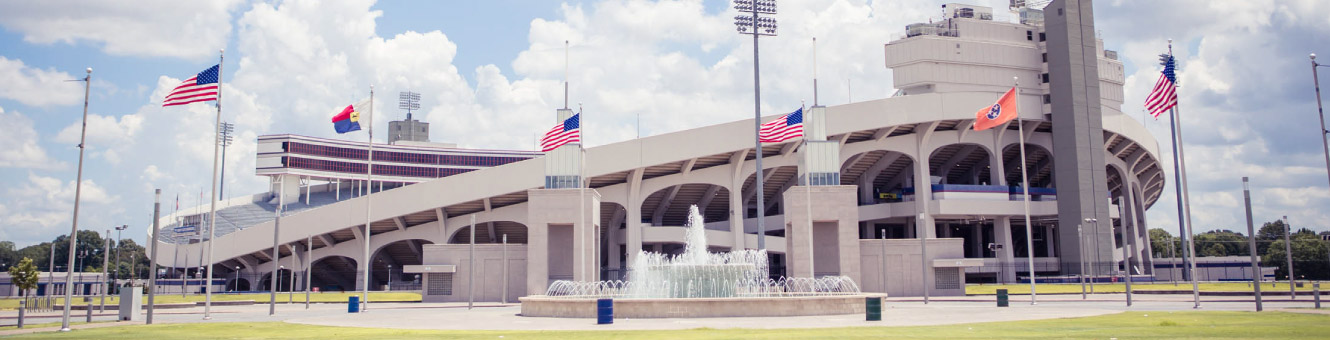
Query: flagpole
[(212, 213), (1184, 199), (1025, 190), (78, 188), (276, 228), (582, 183), (369, 180)]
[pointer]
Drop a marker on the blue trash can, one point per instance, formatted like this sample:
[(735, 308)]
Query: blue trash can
[(353, 304), (604, 311)]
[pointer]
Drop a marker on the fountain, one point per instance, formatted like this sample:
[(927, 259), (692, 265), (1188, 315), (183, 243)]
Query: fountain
[(698, 283)]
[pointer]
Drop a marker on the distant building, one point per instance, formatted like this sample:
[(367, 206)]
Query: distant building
[(1210, 268), (408, 130)]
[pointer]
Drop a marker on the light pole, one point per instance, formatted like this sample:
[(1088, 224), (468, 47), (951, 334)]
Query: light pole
[(390, 277), (115, 276), (106, 260), (757, 26), (224, 139), (1090, 221), (1316, 80), (78, 189), (237, 280), (1288, 254), (83, 255)]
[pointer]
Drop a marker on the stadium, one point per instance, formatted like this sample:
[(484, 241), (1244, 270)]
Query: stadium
[(859, 195)]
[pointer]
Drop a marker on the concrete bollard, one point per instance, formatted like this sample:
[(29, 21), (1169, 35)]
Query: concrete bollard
[(21, 307), (873, 309)]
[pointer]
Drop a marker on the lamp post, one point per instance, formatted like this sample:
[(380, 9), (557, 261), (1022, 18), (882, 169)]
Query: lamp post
[(115, 276), (1090, 221), (1288, 253), (1316, 80), (78, 188), (237, 280), (390, 277), (756, 25), (83, 255)]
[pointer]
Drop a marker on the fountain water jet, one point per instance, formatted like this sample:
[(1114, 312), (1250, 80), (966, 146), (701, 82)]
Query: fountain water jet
[(697, 273)]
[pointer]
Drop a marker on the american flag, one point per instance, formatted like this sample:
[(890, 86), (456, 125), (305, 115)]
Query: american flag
[(568, 131), (783, 128), (1165, 95), (199, 88)]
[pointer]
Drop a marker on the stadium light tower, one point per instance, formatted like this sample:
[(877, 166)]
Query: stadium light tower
[(225, 134), (408, 101), (751, 22)]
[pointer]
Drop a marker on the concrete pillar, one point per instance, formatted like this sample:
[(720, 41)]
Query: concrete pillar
[(737, 177), (633, 228), (1007, 255), (558, 208), (835, 238), (1049, 239), (977, 239)]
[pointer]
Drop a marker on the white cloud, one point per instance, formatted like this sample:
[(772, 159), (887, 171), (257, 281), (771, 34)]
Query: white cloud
[(185, 29), (43, 206), (21, 149), (1246, 103), (37, 87)]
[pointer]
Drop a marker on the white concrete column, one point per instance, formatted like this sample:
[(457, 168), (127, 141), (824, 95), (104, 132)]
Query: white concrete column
[(1049, 241), (1007, 255), (737, 200), (634, 223), (977, 235)]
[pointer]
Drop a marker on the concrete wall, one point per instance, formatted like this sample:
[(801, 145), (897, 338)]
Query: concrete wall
[(904, 277), (488, 272), (835, 217)]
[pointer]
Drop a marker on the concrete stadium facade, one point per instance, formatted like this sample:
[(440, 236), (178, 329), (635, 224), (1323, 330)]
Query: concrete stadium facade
[(909, 166)]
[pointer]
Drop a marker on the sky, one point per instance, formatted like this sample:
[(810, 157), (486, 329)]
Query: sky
[(490, 74)]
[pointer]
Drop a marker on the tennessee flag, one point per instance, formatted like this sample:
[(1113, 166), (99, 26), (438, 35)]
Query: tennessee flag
[(1001, 112), (349, 118)]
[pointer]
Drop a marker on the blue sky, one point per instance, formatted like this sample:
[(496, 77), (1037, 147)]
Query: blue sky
[(490, 73)]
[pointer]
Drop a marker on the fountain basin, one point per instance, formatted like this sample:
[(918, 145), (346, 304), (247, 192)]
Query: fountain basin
[(645, 308)]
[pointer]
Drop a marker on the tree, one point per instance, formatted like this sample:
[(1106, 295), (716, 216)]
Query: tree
[(24, 276), (1221, 243), (1309, 257), (1160, 240), (1269, 232)]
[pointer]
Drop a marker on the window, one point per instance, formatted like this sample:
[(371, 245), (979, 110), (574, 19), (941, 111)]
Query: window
[(1044, 77), (439, 283), (1042, 37), (946, 278), (1048, 99), (1045, 56), (1029, 35)]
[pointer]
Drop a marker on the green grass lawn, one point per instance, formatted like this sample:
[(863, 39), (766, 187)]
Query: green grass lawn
[(1129, 325), (10, 304), (1053, 288), (48, 324)]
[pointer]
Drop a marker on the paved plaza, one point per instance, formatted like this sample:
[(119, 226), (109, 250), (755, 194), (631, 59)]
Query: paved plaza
[(494, 316)]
